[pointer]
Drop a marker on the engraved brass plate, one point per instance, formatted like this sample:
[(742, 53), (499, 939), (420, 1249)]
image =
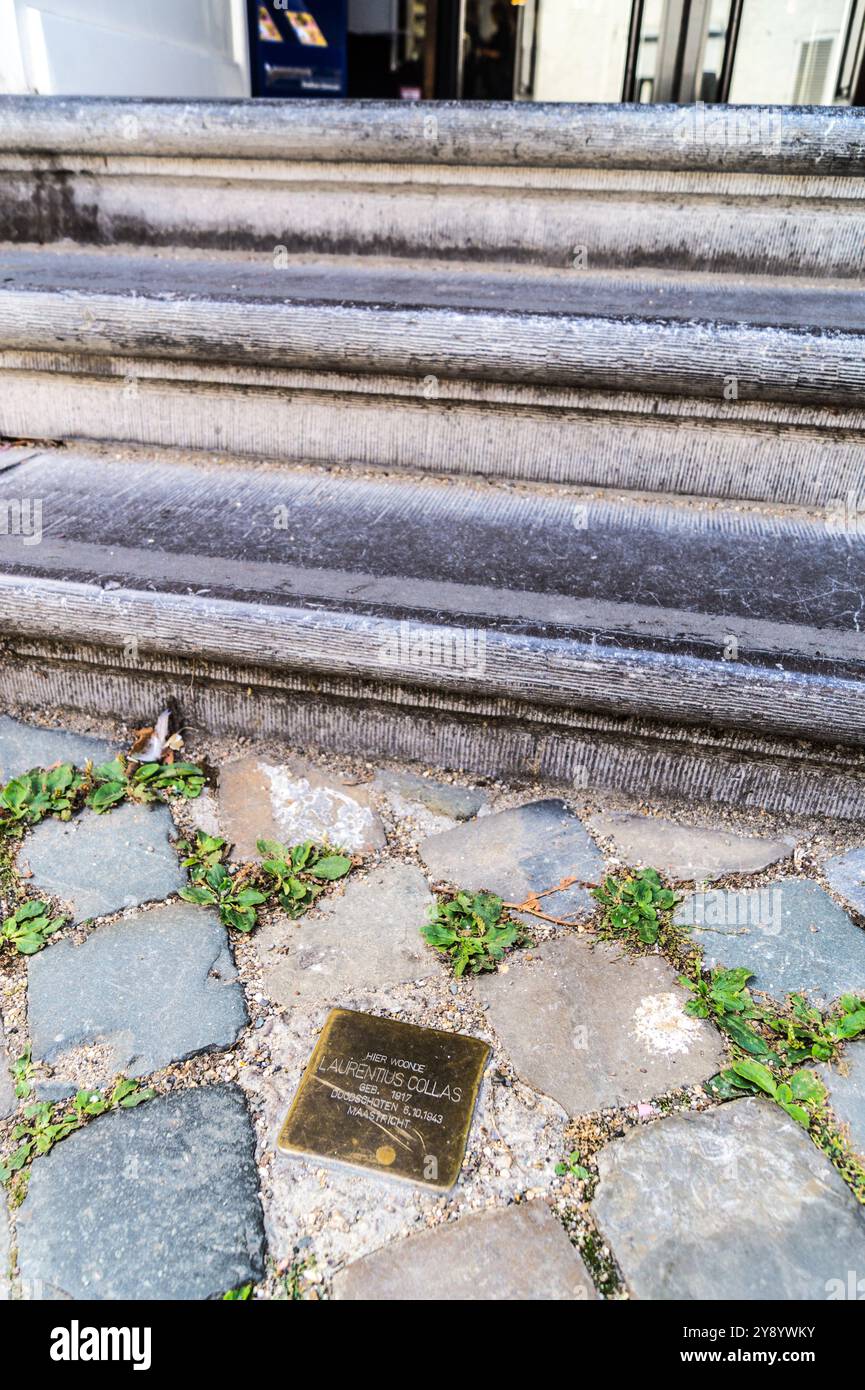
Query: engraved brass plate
[(387, 1096)]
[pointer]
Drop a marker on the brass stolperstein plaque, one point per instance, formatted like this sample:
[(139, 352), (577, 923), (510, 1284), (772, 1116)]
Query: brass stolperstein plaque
[(388, 1096)]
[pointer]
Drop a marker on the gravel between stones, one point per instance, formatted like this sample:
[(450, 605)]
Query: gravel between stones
[(320, 1222)]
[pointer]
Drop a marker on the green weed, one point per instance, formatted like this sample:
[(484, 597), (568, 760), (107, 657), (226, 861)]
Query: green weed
[(470, 930), (28, 928)]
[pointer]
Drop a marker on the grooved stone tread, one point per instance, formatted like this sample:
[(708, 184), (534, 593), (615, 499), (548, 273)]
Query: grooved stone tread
[(672, 579), (605, 294)]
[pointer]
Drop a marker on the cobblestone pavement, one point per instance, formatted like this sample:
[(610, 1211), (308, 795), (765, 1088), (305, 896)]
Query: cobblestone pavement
[(186, 1196)]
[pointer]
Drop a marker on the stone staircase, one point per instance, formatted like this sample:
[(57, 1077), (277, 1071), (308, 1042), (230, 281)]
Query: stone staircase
[(525, 440)]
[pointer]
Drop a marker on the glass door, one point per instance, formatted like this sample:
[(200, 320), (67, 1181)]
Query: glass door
[(767, 52)]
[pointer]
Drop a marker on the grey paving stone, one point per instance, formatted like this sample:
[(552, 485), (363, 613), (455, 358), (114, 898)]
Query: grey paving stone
[(516, 852), (733, 1203), (369, 938), (53, 1091), (291, 802), (23, 746), (160, 1202), (846, 1084), (791, 934), (592, 1028), (408, 793), (7, 1088), (5, 1250), (846, 874), (686, 853), (101, 864), (520, 1253), (151, 989)]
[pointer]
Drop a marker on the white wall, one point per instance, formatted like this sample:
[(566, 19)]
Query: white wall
[(582, 45), (147, 48), (770, 40)]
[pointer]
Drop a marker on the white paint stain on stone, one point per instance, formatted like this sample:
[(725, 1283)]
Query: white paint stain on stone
[(662, 1025), (304, 812)]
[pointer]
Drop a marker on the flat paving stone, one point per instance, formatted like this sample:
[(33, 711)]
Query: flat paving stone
[(160, 1202), (102, 864), (24, 746), (150, 989), (519, 1254), (846, 1085), (513, 853), (8, 1101), (409, 794), (686, 853), (291, 802), (734, 1203), (592, 1027), (791, 934), (369, 938), (846, 874)]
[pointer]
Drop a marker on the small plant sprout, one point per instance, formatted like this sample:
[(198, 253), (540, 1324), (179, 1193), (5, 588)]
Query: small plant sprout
[(470, 931), (635, 906), (297, 875), (292, 876), (572, 1167), (28, 928)]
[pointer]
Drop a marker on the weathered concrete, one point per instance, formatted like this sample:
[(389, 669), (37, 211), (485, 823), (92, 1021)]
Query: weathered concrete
[(685, 852), (784, 345), (593, 1028), (367, 939), (769, 139), (292, 802), (741, 449), (518, 1254), (374, 598), (151, 989), (790, 934), (160, 1202), (735, 1203), (240, 666), (518, 852), (102, 863)]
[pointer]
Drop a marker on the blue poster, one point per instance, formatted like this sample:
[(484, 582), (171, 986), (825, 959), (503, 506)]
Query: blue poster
[(298, 49)]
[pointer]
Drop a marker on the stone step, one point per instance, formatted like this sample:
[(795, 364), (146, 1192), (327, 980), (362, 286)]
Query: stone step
[(730, 387), (609, 642), (754, 190)]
